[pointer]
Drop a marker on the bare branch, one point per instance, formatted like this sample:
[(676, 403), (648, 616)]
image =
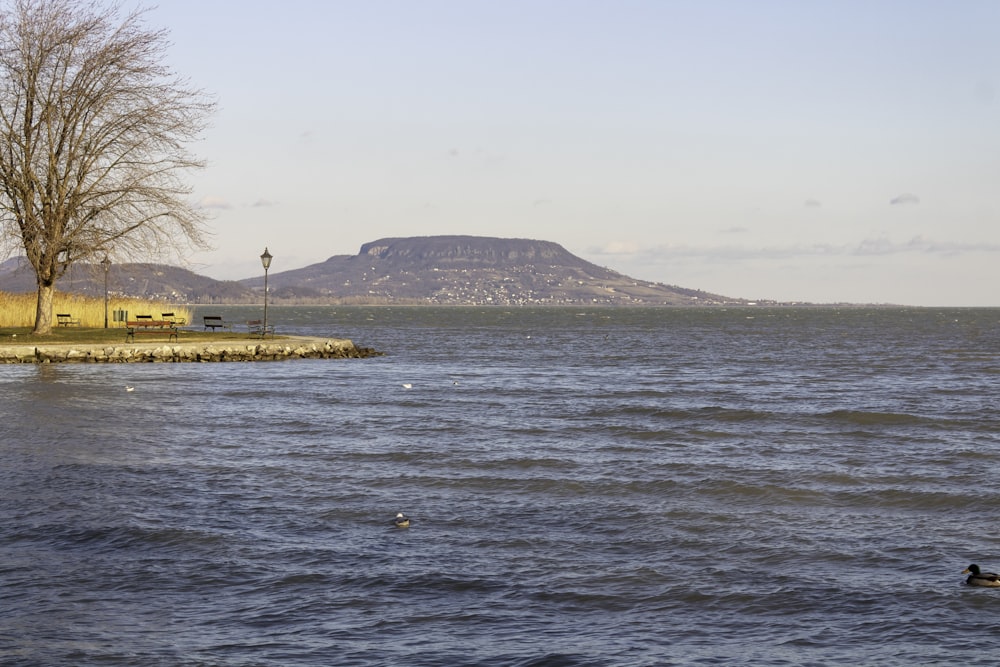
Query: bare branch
[(93, 129)]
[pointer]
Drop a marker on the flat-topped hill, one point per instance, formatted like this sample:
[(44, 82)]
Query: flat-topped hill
[(439, 270)]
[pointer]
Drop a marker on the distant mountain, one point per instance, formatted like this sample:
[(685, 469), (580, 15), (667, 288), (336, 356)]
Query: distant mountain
[(154, 281), (443, 270), (470, 270)]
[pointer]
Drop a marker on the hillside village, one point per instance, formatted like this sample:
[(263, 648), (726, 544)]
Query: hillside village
[(435, 270)]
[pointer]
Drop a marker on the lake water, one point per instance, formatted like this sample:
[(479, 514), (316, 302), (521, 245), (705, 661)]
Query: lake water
[(586, 486)]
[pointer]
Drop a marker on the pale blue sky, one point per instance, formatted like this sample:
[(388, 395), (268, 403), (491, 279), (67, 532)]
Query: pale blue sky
[(815, 151)]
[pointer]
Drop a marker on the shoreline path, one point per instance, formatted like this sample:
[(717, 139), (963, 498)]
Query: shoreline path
[(249, 349)]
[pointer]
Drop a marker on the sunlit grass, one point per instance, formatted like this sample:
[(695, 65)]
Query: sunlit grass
[(102, 336), (17, 311)]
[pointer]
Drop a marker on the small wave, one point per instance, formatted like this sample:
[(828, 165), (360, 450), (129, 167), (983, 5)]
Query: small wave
[(759, 492), (713, 412), (405, 585), (556, 660), (866, 418)]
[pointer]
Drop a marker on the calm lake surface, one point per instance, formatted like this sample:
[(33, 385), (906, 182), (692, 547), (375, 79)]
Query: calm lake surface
[(586, 486)]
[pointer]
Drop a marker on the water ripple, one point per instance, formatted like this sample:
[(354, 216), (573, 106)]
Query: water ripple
[(800, 488)]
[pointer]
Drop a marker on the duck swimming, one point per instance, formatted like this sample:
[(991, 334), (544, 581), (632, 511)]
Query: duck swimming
[(977, 578), (403, 521)]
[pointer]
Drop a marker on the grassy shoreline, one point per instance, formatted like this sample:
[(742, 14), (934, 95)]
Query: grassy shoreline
[(111, 336), (18, 310)]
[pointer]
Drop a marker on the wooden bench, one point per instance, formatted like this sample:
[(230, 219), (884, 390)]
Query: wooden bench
[(258, 330), (178, 321), (149, 326), (66, 320), (214, 322)]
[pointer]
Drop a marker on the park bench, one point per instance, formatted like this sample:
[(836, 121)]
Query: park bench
[(147, 325), (170, 317), (214, 322), (66, 320), (258, 330)]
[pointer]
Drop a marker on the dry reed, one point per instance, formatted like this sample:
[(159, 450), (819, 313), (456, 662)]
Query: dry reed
[(18, 310)]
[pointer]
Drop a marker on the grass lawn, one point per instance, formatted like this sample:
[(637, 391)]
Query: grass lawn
[(116, 336)]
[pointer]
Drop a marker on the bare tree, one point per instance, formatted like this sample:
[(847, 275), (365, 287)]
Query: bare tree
[(93, 128)]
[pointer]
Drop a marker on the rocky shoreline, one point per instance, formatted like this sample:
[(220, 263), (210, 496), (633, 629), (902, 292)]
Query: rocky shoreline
[(286, 347)]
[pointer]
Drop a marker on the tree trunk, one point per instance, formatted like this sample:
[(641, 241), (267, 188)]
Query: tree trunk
[(43, 313), (93, 127)]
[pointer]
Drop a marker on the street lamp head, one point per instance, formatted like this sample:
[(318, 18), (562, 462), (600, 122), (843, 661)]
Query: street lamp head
[(106, 263), (265, 259)]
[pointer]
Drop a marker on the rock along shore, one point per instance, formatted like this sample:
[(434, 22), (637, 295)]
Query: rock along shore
[(286, 347)]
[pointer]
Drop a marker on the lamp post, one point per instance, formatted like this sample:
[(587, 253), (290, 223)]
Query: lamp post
[(106, 263), (265, 259)]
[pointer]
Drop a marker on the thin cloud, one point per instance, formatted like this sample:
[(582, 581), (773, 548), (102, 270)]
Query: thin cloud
[(904, 199), (215, 202), (263, 203), (870, 247), (919, 244), (880, 246), (476, 157), (812, 203), (617, 248)]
